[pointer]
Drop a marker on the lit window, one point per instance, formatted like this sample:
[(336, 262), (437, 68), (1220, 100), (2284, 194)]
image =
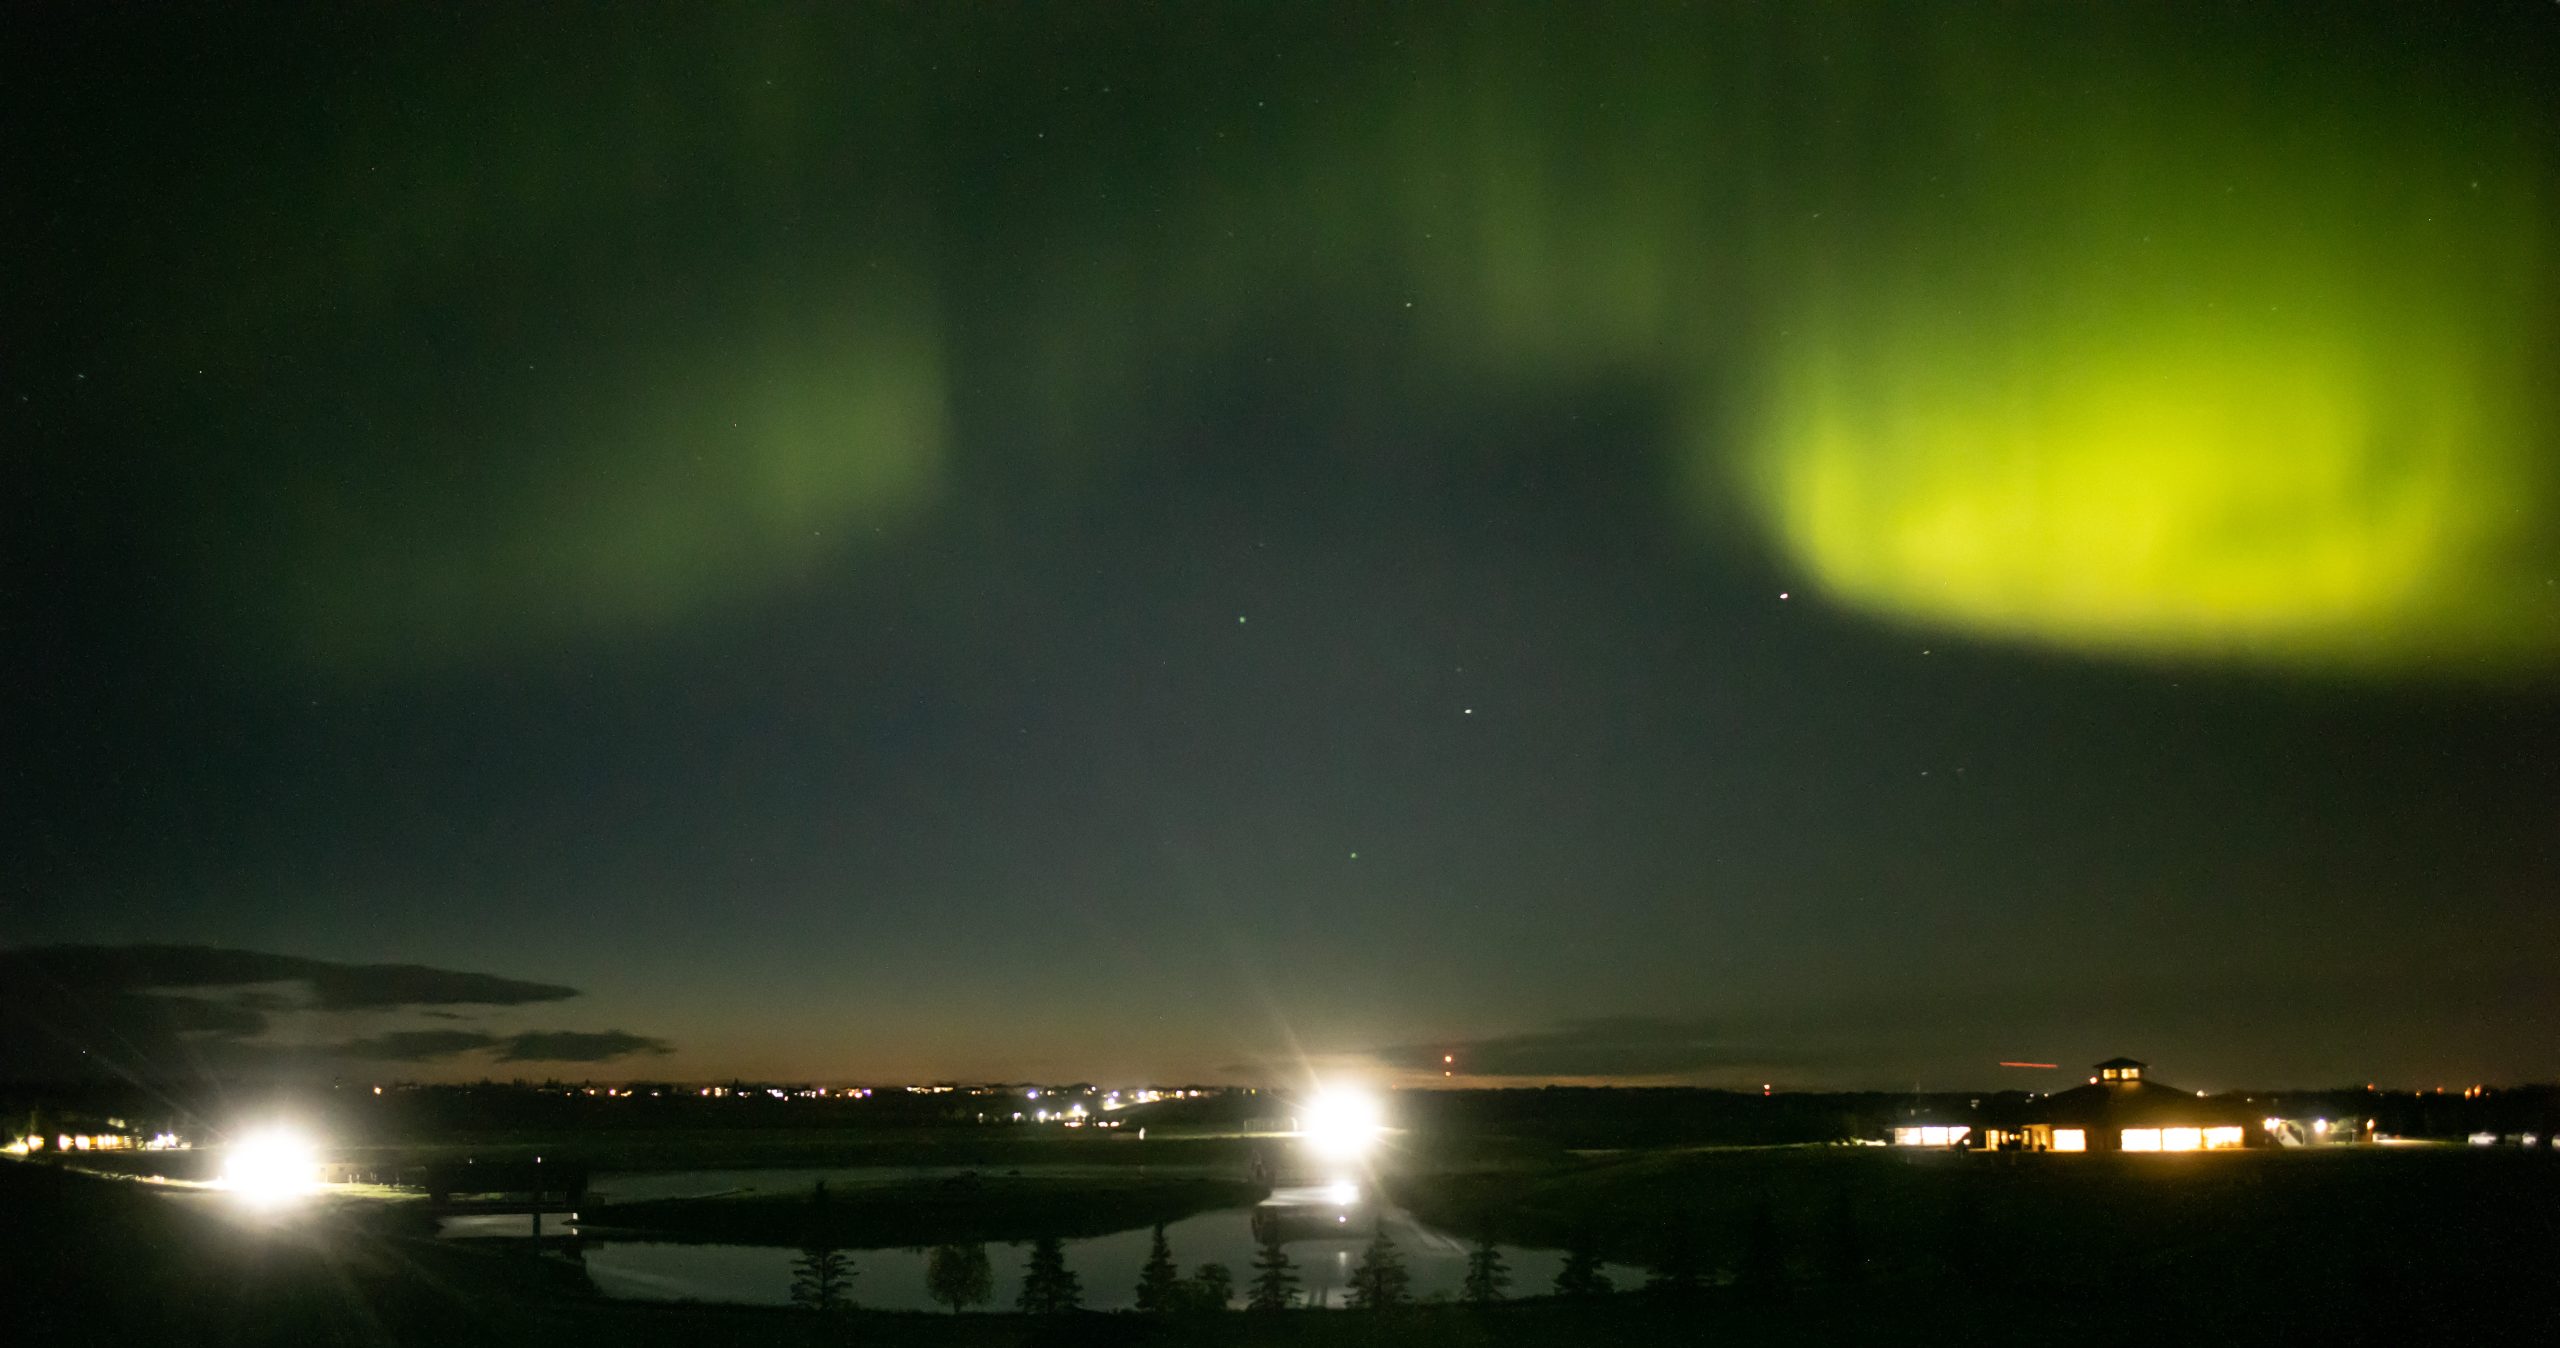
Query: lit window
[(2070, 1139), (2141, 1139), (2181, 1139), (2215, 1139)]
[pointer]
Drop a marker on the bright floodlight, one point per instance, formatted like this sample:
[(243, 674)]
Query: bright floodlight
[(270, 1165), (1342, 1193), (1342, 1124)]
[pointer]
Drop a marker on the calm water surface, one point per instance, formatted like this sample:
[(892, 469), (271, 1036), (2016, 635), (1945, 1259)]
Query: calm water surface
[(1324, 1240)]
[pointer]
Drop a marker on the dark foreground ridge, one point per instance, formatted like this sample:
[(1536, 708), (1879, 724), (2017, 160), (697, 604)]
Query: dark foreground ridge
[(2433, 1247)]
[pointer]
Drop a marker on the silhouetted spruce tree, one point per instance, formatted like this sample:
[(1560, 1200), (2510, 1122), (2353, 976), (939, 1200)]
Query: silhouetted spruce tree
[(822, 1280), (1486, 1274), (958, 1276), (1582, 1278), (1844, 1247), (1381, 1281), (1275, 1280), (1157, 1279), (1048, 1288), (1762, 1272), (1211, 1288), (822, 1277), (1676, 1270)]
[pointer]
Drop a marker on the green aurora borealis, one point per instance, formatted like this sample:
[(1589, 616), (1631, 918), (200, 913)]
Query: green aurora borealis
[(2280, 393), (1282, 511), (2109, 332)]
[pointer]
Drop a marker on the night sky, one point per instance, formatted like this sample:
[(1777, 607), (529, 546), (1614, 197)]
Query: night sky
[(1741, 543)]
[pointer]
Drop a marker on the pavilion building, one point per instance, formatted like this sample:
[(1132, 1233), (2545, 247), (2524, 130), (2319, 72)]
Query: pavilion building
[(2120, 1109)]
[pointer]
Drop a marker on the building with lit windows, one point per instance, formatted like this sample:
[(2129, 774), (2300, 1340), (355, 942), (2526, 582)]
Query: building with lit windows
[(2120, 1109), (2123, 1109)]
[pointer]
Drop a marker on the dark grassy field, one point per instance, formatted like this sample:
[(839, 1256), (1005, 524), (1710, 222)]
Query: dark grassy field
[(2275, 1243)]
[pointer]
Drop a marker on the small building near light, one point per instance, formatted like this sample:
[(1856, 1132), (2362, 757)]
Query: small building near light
[(2303, 1129), (1932, 1134)]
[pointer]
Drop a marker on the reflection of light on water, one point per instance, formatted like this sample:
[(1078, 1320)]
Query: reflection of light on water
[(507, 1225), (1342, 1193)]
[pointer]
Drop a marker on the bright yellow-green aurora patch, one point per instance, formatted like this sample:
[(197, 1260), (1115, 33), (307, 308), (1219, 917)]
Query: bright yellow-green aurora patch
[(2277, 396)]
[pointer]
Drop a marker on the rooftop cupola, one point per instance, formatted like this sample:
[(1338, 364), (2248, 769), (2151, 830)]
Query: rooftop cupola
[(2120, 1071)]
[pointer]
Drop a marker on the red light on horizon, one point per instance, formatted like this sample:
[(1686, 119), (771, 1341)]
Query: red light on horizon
[(2030, 1064)]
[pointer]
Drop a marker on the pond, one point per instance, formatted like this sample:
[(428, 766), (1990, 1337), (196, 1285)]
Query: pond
[(639, 1187), (1323, 1234)]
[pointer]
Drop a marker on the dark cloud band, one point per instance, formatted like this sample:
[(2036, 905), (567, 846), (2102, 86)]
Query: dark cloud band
[(187, 1010)]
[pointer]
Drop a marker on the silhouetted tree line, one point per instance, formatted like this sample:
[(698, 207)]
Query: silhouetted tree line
[(960, 1275)]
